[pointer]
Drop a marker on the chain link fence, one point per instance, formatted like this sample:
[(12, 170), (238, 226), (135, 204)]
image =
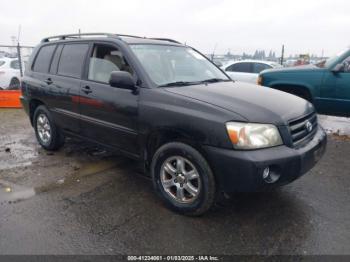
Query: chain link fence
[(13, 60)]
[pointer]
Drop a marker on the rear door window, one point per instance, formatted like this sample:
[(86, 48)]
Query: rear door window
[(240, 67), (43, 59), (72, 60)]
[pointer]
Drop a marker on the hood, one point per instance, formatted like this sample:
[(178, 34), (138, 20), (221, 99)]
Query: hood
[(293, 69), (255, 103)]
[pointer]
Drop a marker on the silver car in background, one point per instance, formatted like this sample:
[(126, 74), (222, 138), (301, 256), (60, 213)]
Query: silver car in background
[(247, 70)]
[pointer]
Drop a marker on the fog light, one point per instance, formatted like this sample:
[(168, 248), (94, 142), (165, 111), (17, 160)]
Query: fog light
[(269, 176)]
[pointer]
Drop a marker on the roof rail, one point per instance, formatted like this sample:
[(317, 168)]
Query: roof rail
[(165, 39), (76, 36)]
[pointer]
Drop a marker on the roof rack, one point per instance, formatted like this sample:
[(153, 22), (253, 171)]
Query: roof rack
[(77, 36), (166, 39)]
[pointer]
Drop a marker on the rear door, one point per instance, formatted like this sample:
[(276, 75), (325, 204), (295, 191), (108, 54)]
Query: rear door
[(64, 80), (108, 114)]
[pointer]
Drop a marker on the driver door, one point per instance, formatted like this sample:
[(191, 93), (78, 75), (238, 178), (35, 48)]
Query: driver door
[(336, 90), (342, 85), (108, 114)]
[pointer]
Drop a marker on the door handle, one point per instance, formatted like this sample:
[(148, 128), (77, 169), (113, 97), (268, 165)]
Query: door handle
[(87, 90), (48, 81)]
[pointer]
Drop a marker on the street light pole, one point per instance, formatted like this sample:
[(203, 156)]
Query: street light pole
[(282, 55)]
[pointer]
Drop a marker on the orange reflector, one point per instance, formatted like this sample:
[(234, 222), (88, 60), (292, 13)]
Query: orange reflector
[(233, 136), (10, 98)]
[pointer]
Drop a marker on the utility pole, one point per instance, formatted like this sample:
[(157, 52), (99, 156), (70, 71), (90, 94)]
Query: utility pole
[(19, 52), (282, 55), (212, 55)]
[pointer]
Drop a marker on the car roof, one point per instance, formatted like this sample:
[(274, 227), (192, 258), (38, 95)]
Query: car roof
[(253, 61), (229, 63), (5, 58)]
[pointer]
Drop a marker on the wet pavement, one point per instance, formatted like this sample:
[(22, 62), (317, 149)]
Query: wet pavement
[(84, 200)]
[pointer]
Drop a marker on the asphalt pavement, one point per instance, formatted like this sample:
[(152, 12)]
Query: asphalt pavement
[(85, 200)]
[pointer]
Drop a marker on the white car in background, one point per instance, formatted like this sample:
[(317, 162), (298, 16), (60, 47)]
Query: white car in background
[(9, 73), (247, 70)]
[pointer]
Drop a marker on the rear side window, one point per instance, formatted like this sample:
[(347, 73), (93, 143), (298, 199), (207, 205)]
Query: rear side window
[(43, 59), (240, 67), (2, 63), (72, 60), (258, 67)]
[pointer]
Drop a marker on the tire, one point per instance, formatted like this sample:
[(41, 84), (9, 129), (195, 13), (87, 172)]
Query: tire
[(170, 179), (14, 84), (49, 136)]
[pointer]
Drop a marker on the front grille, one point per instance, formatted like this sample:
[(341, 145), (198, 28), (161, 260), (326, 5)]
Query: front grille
[(300, 129)]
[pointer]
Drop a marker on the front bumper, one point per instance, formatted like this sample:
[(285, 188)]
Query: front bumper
[(241, 171)]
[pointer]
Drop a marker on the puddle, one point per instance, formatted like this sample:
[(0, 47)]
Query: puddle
[(12, 193), (335, 125), (85, 171)]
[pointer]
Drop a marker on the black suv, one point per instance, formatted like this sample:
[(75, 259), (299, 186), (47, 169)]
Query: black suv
[(197, 132)]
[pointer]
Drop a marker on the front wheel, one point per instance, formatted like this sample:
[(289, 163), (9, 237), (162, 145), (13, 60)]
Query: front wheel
[(183, 179), (47, 133)]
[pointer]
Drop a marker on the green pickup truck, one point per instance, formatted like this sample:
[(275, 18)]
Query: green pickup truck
[(326, 84)]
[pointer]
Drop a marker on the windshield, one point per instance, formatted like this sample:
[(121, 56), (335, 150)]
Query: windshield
[(327, 63), (178, 65)]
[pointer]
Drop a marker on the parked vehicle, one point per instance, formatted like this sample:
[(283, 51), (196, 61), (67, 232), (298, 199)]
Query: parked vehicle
[(247, 70), (9, 73), (326, 84), (196, 131)]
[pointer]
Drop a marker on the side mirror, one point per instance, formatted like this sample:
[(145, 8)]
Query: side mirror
[(338, 68), (122, 79)]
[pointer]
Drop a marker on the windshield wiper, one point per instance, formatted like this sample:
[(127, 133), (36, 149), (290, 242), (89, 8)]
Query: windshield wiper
[(215, 80), (180, 83), (187, 83)]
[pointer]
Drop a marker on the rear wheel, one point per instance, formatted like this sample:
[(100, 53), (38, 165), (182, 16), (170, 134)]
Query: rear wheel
[(14, 84), (47, 133), (183, 179)]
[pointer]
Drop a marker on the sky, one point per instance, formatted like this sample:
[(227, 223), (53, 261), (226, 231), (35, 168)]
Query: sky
[(303, 26)]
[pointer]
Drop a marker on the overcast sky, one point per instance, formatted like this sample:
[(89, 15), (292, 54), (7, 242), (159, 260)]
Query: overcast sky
[(304, 26)]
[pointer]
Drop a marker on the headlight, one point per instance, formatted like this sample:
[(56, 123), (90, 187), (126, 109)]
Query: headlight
[(260, 80), (253, 136)]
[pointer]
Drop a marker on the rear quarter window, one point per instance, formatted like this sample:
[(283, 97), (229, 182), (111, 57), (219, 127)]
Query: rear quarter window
[(14, 64), (43, 59), (72, 60), (2, 63)]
